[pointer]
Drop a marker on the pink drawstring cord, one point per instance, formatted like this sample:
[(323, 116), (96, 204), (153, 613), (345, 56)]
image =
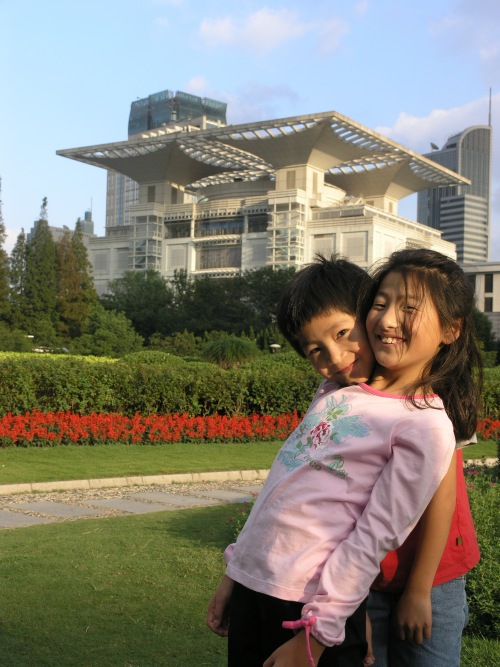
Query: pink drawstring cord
[(305, 623)]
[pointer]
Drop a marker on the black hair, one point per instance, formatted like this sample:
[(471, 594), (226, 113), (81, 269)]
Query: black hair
[(455, 373), (325, 285)]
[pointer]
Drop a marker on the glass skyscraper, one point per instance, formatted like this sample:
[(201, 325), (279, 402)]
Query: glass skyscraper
[(462, 213)]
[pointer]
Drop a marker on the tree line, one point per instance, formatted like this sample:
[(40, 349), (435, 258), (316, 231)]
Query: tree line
[(48, 301)]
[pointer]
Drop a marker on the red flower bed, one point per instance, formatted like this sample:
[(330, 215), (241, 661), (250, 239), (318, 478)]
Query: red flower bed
[(489, 429), (61, 428)]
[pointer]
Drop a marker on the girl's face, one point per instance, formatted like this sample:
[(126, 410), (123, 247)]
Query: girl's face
[(404, 331)]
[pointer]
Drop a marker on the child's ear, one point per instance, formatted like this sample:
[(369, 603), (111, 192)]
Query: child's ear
[(451, 335)]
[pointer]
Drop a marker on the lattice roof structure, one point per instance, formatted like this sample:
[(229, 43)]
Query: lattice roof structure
[(354, 158)]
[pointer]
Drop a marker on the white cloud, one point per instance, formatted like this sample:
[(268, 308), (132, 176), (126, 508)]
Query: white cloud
[(362, 8), (490, 52), (417, 133), (197, 85), (169, 3), (262, 31), (161, 22), (258, 101), (472, 27), (331, 33), (218, 31)]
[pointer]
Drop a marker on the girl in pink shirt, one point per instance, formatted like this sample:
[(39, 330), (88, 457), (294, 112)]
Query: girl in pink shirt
[(353, 479)]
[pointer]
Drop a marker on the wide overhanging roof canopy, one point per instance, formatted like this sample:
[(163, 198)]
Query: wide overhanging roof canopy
[(354, 158)]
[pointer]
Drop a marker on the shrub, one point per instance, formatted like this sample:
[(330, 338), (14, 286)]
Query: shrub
[(230, 351), (155, 357), (483, 582), (107, 333), (242, 514), (491, 393), (153, 381), (269, 388)]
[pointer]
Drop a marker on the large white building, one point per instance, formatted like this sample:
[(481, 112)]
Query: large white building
[(218, 200), (486, 279)]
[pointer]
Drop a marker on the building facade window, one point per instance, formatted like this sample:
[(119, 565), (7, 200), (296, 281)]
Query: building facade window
[(177, 230), (488, 283), (204, 228), (122, 258), (258, 252), (101, 262), (151, 194), (356, 246), (323, 244), (257, 223), (177, 257), (488, 304), (218, 257)]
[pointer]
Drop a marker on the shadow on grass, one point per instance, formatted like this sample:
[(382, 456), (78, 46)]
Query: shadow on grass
[(114, 592), (206, 526)]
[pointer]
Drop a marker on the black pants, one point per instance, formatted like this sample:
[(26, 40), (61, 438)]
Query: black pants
[(255, 631)]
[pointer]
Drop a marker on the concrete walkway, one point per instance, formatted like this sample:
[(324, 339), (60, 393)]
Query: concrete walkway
[(52, 502)]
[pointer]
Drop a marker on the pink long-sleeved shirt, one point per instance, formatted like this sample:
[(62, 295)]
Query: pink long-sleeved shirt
[(347, 486)]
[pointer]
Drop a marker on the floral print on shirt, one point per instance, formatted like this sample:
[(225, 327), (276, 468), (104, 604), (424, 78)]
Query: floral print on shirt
[(318, 431)]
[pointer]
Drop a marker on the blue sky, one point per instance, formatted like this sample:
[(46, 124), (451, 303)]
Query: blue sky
[(415, 71)]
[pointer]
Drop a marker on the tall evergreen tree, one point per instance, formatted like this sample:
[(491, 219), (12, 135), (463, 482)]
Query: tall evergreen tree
[(4, 267), (18, 299), (41, 281), (44, 214), (84, 265), (75, 292)]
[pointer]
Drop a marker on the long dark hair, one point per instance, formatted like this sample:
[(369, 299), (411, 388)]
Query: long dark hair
[(455, 373)]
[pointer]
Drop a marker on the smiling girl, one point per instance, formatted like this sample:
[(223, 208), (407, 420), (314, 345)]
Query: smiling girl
[(353, 479), (421, 300)]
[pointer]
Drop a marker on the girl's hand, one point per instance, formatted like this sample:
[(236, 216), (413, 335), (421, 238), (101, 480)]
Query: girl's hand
[(218, 607), (294, 652), (369, 658), (413, 619)]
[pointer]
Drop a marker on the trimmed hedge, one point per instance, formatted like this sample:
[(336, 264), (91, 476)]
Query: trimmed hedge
[(62, 384), (491, 393), (273, 385)]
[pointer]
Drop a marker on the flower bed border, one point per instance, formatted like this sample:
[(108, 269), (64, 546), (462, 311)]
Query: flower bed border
[(42, 429)]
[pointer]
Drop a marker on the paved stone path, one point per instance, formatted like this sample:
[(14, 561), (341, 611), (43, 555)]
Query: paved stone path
[(51, 502), (92, 499)]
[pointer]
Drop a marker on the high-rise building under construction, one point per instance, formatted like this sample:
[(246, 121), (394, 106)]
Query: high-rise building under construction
[(151, 113)]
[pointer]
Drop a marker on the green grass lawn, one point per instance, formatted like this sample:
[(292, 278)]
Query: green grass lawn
[(48, 464), (120, 592), (124, 592), (484, 449)]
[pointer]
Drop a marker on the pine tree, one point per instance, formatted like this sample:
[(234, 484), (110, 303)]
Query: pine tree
[(41, 281), (44, 215), (75, 292), (18, 300), (84, 265), (4, 268)]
